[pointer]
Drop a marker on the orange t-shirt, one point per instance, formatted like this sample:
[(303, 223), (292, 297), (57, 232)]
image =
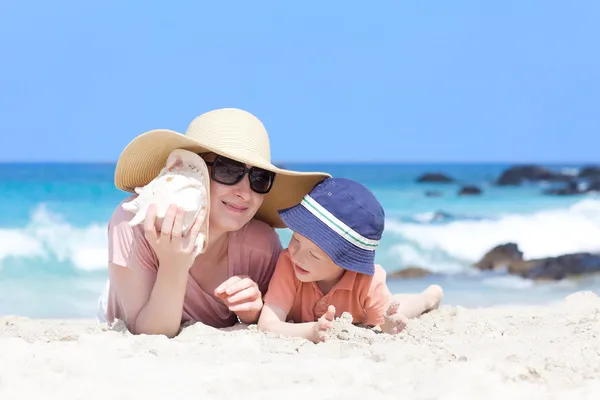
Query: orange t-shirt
[(365, 297)]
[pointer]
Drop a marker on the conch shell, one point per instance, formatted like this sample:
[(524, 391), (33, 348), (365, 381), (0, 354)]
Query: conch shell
[(183, 181)]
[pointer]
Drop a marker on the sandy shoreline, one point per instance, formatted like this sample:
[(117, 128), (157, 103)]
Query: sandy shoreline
[(451, 353)]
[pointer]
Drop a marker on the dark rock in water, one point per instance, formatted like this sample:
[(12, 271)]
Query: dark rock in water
[(441, 216), (433, 193), (469, 190), (570, 188), (574, 187), (501, 256), (516, 175), (588, 180), (409, 272), (520, 267), (590, 171), (557, 268), (594, 186), (434, 178), (510, 257)]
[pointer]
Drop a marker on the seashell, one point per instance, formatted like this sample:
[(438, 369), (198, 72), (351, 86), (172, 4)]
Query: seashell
[(183, 181)]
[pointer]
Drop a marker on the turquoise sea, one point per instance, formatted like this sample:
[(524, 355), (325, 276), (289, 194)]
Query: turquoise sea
[(53, 232)]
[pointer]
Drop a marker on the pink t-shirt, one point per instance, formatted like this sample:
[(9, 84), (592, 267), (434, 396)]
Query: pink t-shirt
[(252, 251)]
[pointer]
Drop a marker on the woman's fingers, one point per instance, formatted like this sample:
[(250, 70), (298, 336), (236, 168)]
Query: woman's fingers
[(247, 306), (194, 232), (249, 293), (167, 225), (240, 285), (177, 231), (149, 224), (223, 286)]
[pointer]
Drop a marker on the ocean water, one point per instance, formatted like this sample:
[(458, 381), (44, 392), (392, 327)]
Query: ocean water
[(53, 233)]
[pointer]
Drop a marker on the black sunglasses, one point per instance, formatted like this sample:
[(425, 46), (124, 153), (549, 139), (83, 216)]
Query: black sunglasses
[(229, 172)]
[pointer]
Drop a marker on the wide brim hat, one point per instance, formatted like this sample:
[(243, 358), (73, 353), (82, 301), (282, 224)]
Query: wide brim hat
[(230, 132)]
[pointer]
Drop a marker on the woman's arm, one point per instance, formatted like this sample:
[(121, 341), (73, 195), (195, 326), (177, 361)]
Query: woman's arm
[(254, 253), (152, 292), (132, 268), (161, 314), (151, 300)]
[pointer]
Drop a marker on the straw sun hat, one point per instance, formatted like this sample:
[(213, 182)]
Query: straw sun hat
[(230, 132)]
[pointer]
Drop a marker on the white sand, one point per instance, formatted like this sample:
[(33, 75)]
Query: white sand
[(452, 353)]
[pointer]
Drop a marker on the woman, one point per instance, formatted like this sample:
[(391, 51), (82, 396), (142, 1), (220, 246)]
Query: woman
[(156, 284)]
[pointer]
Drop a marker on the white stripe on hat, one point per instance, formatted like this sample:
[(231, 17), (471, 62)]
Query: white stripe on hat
[(338, 226)]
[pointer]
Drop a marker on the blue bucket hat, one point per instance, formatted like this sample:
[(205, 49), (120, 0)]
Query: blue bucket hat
[(344, 219)]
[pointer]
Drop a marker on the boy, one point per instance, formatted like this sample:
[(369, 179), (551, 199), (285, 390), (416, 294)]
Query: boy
[(329, 268)]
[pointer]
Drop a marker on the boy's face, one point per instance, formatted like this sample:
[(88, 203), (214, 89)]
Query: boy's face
[(312, 264)]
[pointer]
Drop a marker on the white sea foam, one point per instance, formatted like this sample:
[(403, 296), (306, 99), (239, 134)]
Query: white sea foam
[(570, 171), (449, 247), (48, 236)]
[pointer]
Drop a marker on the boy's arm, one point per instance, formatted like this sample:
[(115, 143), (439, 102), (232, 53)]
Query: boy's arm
[(279, 300), (378, 299), (272, 319)]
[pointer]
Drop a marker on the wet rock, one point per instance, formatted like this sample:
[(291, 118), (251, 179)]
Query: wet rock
[(570, 188), (441, 216), (594, 186), (501, 256), (575, 188), (590, 172), (409, 272), (557, 268), (434, 177), (509, 256), (519, 174), (469, 190), (520, 268)]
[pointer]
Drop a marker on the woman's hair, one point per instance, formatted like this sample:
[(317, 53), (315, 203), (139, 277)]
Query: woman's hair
[(206, 154)]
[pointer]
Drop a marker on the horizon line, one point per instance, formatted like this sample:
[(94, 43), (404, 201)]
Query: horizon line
[(334, 162)]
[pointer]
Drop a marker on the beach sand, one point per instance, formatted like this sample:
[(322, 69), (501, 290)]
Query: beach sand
[(450, 353)]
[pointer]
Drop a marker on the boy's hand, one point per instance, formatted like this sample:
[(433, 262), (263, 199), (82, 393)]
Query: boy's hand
[(242, 296), (324, 324), (394, 322)]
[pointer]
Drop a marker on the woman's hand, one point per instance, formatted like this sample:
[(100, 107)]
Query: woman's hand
[(170, 245), (242, 296)]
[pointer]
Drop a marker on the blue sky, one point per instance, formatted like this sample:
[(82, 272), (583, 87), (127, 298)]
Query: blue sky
[(332, 81)]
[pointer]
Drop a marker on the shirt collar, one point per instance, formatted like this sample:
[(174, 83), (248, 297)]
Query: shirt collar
[(346, 283)]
